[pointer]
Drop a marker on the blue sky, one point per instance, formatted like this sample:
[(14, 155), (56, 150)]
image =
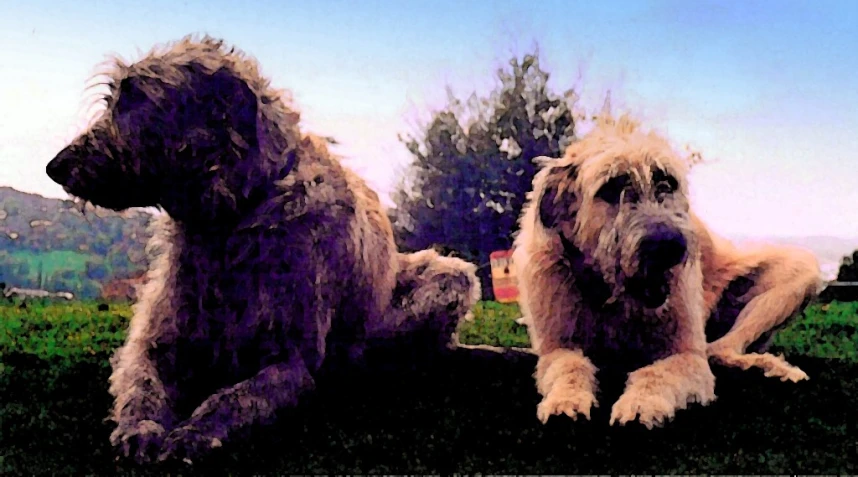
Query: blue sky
[(767, 89)]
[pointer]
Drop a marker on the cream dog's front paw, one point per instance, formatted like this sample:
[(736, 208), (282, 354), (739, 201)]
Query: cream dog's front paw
[(568, 401)]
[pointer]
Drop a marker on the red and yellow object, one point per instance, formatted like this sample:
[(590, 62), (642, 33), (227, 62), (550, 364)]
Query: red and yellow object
[(504, 283)]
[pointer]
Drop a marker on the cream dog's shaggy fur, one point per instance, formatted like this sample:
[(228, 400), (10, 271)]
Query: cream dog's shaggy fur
[(614, 267)]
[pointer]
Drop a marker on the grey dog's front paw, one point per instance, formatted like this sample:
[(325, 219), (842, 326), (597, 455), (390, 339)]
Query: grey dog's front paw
[(140, 441), (187, 443)]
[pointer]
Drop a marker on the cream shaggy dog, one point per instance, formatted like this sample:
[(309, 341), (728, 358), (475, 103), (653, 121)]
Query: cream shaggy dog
[(615, 268)]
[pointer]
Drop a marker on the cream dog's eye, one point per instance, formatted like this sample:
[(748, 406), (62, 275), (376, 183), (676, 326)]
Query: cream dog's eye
[(663, 188)]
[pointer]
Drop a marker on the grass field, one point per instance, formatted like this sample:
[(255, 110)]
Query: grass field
[(822, 331), (471, 412), (52, 262), (69, 331)]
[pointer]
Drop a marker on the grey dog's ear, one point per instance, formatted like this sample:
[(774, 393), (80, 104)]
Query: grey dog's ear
[(132, 94), (219, 97), (233, 100), (557, 201)]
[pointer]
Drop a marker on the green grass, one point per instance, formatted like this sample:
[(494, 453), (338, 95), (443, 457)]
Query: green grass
[(71, 331), (479, 412), (494, 324), (49, 330), (821, 331)]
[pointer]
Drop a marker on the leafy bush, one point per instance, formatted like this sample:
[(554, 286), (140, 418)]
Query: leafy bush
[(472, 164), (848, 272)]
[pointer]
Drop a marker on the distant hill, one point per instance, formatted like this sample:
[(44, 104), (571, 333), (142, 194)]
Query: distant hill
[(829, 250), (60, 245)]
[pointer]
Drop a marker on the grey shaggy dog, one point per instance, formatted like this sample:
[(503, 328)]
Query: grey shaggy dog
[(272, 257)]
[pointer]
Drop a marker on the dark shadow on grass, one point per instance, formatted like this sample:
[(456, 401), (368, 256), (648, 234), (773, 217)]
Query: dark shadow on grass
[(472, 411)]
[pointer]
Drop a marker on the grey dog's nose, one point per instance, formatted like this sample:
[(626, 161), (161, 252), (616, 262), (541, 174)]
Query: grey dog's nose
[(663, 247), (59, 169)]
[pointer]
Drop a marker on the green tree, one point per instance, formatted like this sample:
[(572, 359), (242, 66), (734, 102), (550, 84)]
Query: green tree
[(119, 263), (848, 272), (848, 268), (14, 272), (63, 280), (96, 270), (473, 165), (88, 289)]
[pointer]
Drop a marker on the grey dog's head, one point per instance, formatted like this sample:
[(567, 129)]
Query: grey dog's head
[(619, 199), (182, 130)]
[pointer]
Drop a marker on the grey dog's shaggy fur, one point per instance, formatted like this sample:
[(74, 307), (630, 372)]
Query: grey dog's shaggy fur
[(272, 258)]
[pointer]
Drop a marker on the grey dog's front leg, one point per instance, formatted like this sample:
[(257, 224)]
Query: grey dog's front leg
[(141, 410), (433, 293), (274, 387)]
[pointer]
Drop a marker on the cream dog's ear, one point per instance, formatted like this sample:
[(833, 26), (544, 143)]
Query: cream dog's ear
[(543, 161), (557, 200)]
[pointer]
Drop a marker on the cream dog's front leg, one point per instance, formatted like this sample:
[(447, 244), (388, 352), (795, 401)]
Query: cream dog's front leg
[(656, 391), (567, 381)]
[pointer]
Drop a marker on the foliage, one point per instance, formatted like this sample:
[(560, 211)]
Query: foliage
[(53, 261), (16, 270), (473, 165), (848, 273), (96, 270), (62, 246), (849, 268)]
